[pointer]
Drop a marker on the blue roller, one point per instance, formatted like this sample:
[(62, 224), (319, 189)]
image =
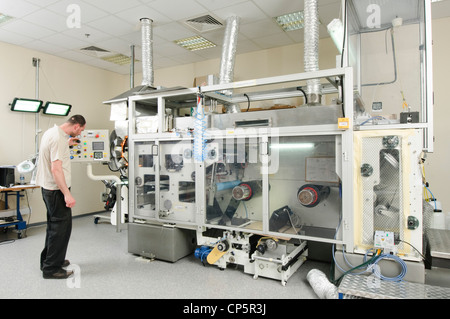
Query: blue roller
[(227, 185)]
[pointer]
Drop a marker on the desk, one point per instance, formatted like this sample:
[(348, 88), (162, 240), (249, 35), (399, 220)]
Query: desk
[(19, 223)]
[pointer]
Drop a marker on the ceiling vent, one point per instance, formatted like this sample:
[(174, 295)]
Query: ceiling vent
[(204, 23), (95, 51)]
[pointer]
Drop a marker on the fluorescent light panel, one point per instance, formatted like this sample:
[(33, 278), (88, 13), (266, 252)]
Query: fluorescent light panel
[(291, 21), (26, 105), (195, 43), (119, 59), (60, 109), (292, 146), (4, 18)]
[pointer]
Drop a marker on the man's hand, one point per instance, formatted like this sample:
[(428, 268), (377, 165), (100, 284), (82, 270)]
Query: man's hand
[(70, 201), (58, 176), (74, 140)]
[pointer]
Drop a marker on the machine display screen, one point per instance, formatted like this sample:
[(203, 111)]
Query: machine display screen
[(98, 146), (98, 155)]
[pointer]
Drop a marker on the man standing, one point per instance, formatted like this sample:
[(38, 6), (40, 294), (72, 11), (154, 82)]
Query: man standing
[(54, 177)]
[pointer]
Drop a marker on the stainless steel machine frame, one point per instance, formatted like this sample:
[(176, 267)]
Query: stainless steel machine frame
[(196, 218)]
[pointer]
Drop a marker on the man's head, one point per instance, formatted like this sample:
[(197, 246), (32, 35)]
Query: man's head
[(75, 125)]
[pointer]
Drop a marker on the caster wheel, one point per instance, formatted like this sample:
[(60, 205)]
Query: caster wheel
[(96, 220)]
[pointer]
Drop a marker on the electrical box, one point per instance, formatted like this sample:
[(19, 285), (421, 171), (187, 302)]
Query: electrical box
[(384, 240), (92, 146)]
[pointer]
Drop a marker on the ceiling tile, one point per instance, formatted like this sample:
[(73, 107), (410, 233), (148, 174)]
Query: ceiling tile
[(14, 38), (88, 12), (87, 33), (247, 11), (75, 56), (170, 49), (28, 29), (115, 45), (65, 41), (114, 6), (218, 4), (178, 9), (42, 3), (187, 57), (17, 8), (135, 14), (173, 31), (211, 53), (260, 28), (112, 25), (279, 7), (47, 19)]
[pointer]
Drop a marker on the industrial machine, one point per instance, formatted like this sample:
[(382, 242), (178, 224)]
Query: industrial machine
[(336, 167)]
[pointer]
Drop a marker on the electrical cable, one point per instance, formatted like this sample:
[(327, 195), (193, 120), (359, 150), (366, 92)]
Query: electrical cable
[(373, 118), (248, 107), (421, 255), (432, 196), (377, 272), (304, 94)]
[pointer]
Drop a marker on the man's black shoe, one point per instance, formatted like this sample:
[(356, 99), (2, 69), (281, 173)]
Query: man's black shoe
[(60, 274)]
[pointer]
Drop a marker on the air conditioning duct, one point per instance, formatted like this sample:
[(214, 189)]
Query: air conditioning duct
[(147, 52), (229, 57), (311, 50)]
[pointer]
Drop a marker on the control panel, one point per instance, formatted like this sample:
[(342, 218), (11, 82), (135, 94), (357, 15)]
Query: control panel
[(92, 145)]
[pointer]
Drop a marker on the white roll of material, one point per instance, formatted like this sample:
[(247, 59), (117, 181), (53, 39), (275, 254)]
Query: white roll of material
[(321, 285)]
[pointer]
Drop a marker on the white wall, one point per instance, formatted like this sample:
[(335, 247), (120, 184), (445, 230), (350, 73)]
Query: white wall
[(61, 80), (437, 165)]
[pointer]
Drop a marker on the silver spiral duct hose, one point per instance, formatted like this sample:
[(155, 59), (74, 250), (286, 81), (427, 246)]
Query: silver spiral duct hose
[(311, 54), (147, 51), (229, 57)]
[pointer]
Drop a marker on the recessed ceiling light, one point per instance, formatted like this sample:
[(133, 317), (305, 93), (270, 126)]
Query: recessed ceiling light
[(291, 21), (4, 18), (195, 43), (119, 59)]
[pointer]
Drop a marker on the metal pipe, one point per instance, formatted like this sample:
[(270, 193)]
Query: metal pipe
[(132, 66), (118, 192), (36, 63), (229, 57), (311, 50), (147, 51)]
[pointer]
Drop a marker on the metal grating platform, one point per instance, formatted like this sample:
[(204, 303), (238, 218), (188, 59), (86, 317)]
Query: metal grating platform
[(356, 286)]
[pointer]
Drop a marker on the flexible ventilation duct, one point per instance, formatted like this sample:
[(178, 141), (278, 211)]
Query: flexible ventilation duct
[(311, 56), (229, 56), (147, 51)]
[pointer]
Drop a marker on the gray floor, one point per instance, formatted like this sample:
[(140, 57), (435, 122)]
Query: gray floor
[(106, 270)]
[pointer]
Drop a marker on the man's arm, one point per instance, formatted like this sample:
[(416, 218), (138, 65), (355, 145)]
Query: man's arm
[(58, 176)]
